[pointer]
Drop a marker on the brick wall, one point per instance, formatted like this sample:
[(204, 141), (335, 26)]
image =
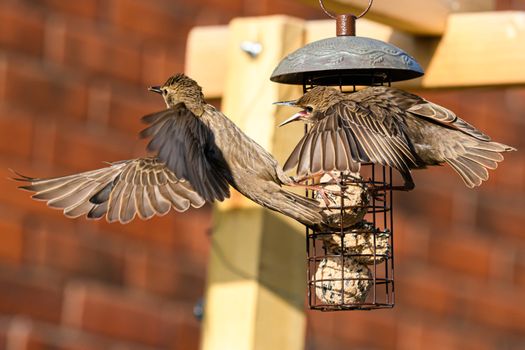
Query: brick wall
[(72, 89), (73, 78)]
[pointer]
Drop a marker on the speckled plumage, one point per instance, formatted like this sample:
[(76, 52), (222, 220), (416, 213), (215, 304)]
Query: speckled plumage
[(391, 127), (199, 154)]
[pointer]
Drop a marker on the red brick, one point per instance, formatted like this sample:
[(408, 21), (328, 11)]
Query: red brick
[(102, 53), (22, 292), (126, 316), (173, 232), (99, 103), (272, 7), (411, 236), (450, 99), (128, 107), (194, 228), (49, 92), (410, 334), (3, 339), (157, 231), (15, 133), (155, 19), (12, 234), (515, 102), (427, 289), (75, 253), (45, 342), (34, 335), (85, 8), (469, 255), (496, 112), (437, 178), (175, 276), (231, 7), (510, 5), (453, 338), (43, 139), (12, 198), (432, 203), (519, 271), (54, 49), (488, 109), (189, 334), (509, 177), (83, 150), (495, 307), (161, 62), (21, 29), (356, 328), (502, 216), (503, 261)]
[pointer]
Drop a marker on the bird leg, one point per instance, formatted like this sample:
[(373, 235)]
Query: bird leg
[(378, 192), (318, 188)]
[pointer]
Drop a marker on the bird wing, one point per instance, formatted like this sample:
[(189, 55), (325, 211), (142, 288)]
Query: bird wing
[(143, 187), (346, 136), (445, 117), (188, 148)]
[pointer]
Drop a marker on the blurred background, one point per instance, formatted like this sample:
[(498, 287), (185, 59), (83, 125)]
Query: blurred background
[(73, 78)]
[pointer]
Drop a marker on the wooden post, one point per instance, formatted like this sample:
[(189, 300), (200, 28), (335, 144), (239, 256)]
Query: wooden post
[(427, 17), (256, 277)]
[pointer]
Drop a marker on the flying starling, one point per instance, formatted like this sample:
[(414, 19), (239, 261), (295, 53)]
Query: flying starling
[(390, 127), (199, 154)]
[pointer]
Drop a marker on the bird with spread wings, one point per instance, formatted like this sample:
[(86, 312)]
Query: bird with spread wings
[(387, 126), (200, 153)]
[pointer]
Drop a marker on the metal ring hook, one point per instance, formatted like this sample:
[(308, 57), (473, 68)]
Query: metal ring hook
[(331, 15)]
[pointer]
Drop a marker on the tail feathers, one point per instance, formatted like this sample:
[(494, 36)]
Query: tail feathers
[(69, 193), (472, 165), (305, 210), (141, 187)]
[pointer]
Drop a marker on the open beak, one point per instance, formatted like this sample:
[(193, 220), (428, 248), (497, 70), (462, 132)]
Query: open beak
[(155, 89), (292, 103), (297, 116)]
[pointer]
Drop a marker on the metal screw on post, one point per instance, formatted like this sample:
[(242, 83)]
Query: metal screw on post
[(252, 48)]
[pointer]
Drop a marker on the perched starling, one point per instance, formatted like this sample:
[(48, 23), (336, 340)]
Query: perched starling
[(391, 127), (199, 154)]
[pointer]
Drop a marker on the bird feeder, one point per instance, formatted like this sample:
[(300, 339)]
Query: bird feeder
[(350, 265)]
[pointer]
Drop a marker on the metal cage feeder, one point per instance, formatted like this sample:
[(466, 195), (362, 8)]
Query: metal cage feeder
[(350, 266)]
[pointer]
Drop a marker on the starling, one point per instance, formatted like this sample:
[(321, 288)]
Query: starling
[(199, 154), (390, 127)]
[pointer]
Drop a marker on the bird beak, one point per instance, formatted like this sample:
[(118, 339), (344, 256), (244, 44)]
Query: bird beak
[(155, 89), (292, 103), (293, 118)]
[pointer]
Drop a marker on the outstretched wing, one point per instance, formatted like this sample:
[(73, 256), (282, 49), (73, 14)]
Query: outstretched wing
[(188, 148), (143, 187), (347, 135), (422, 108)]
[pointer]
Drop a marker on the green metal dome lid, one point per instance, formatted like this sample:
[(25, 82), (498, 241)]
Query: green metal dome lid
[(346, 60)]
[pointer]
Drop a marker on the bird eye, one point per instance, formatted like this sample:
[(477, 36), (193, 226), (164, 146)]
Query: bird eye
[(309, 109), (164, 92)]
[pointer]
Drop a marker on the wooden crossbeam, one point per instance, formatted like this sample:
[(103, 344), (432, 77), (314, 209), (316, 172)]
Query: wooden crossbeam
[(477, 49), (431, 15)]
